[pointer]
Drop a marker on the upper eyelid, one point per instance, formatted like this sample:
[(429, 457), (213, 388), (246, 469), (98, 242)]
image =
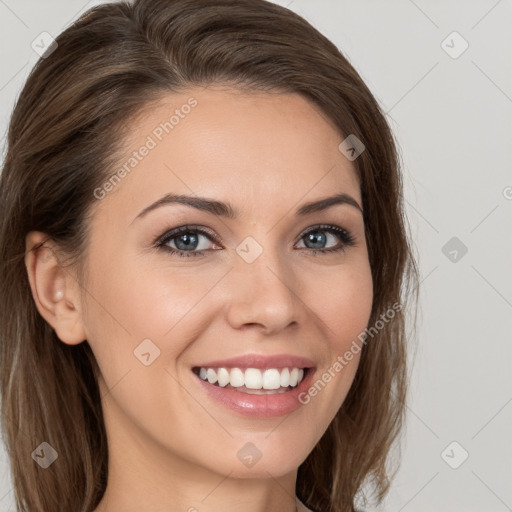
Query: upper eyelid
[(171, 233)]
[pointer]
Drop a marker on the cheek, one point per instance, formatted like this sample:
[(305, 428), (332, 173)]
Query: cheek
[(128, 302), (342, 302), (342, 299)]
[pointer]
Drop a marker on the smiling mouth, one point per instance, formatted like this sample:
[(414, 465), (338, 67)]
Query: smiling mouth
[(253, 381)]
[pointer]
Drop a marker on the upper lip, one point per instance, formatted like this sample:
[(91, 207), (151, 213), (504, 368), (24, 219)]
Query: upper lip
[(261, 361)]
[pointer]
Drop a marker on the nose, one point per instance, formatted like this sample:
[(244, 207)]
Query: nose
[(262, 294)]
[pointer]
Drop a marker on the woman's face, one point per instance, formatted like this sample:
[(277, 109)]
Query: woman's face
[(248, 284)]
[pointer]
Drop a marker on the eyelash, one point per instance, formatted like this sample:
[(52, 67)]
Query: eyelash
[(161, 243)]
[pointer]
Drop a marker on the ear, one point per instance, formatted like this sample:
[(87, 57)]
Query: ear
[(55, 289)]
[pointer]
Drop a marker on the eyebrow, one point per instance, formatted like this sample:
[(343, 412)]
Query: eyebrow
[(226, 210)]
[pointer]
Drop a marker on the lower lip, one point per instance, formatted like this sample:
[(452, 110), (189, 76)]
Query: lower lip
[(261, 406)]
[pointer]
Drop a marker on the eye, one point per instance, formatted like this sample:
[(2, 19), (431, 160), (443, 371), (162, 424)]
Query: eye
[(186, 241), (315, 239)]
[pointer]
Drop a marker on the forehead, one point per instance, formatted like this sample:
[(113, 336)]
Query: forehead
[(262, 148)]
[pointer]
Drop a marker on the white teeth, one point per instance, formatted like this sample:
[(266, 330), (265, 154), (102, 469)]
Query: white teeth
[(211, 375), (271, 379), (294, 375), (223, 376), (253, 378), (285, 377), (236, 377)]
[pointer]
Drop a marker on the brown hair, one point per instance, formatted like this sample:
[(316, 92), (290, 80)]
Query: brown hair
[(65, 132)]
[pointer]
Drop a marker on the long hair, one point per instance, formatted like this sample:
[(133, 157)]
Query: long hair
[(65, 132)]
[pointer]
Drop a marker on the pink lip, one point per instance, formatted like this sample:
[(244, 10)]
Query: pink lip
[(260, 406), (260, 361)]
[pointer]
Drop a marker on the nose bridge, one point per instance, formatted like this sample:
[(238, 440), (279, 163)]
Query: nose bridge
[(262, 287)]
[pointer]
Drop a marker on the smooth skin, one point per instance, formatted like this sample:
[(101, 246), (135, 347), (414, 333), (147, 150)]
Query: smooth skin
[(171, 448)]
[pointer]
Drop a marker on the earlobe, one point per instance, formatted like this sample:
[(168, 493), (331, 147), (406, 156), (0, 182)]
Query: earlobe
[(55, 290)]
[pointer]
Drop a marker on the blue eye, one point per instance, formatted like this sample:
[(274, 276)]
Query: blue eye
[(317, 237), (185, 241)]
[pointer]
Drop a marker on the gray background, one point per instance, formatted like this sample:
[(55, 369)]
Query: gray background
[(453, 121)]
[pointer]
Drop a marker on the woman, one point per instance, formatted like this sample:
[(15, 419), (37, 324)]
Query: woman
[(204, 268)]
